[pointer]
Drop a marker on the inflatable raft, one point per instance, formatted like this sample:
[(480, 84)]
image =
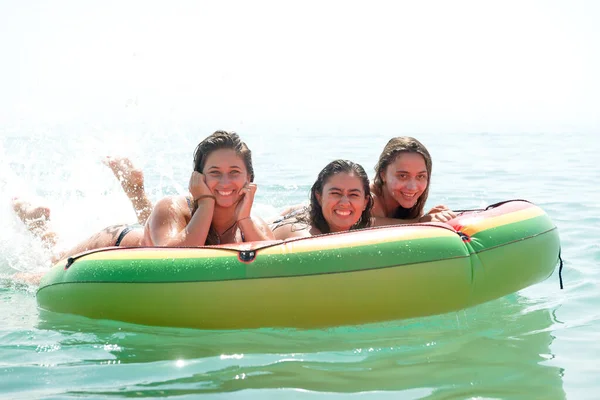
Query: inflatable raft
[(356, 277)]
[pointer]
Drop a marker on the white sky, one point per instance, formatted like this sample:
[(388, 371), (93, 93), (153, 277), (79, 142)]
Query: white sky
[(427, 65)]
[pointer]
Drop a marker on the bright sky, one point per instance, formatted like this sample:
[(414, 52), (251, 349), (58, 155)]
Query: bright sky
[(478, 65)]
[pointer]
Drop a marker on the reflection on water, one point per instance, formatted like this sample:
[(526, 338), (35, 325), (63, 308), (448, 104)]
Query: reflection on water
[(497, 350)]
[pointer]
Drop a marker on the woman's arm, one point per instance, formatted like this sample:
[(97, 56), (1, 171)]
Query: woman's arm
[(255, 229), (440, 213), (436, 214), (168, 223)]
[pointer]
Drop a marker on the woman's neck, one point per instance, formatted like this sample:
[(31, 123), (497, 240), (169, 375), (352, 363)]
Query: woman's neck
[(223, 219)]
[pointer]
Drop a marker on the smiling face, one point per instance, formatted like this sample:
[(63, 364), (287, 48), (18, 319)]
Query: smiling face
[(405, 179), (342, 201), (225, 174)]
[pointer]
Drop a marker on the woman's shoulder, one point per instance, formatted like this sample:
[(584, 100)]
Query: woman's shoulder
[(174, 204), (172, 200), (377, 210), (291, 228), (289, 212)]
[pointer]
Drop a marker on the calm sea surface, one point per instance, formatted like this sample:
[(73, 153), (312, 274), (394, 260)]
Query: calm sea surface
[(539, 343)]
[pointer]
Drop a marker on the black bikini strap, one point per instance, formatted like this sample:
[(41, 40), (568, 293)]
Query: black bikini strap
[(124, 232)]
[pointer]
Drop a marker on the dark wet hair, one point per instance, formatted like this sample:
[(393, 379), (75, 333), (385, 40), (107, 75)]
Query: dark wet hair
[(315, 215), (394, 148), (223, 140)]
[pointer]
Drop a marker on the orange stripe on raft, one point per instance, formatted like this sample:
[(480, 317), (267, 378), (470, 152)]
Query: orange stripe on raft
[(471, 225)]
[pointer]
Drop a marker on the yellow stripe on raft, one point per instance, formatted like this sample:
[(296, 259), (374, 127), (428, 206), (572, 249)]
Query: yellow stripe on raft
[(157, 253), (478, 223), (358, 238), (362, 238)]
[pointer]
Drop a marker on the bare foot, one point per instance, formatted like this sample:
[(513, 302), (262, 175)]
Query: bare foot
[(132, 182), (34, 217)]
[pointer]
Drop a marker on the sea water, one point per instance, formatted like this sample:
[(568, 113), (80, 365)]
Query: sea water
[(538, 343)]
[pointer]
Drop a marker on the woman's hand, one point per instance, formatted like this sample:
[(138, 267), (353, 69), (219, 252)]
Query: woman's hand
[(439, 213), (244, 206), (197, 186)]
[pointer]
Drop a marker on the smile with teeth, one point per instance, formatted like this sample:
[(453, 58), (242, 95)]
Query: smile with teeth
[(224, 193), (343, 213), (408, 195)]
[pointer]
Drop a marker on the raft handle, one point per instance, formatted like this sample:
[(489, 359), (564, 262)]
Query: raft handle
[(70, 262)]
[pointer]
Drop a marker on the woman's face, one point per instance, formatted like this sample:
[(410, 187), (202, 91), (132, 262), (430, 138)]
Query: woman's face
[(343, 200), (226, 175), (405, 179)]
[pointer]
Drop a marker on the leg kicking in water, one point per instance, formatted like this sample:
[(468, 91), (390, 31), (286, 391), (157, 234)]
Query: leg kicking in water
[(132, 182), (216, 210), (37, 220)]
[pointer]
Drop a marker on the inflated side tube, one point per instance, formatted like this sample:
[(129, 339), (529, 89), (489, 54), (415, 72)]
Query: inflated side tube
[(362, 276)]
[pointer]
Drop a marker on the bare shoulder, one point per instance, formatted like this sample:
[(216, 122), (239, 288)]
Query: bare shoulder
[(176, 201), (292, 209), (292, 229), (170, 200), (377, 210), (173, 206), (289, 211), (384, 221)]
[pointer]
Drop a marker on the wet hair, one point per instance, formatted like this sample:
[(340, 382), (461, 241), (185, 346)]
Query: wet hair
[(392, 150), (223, 140), (315, 215)]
